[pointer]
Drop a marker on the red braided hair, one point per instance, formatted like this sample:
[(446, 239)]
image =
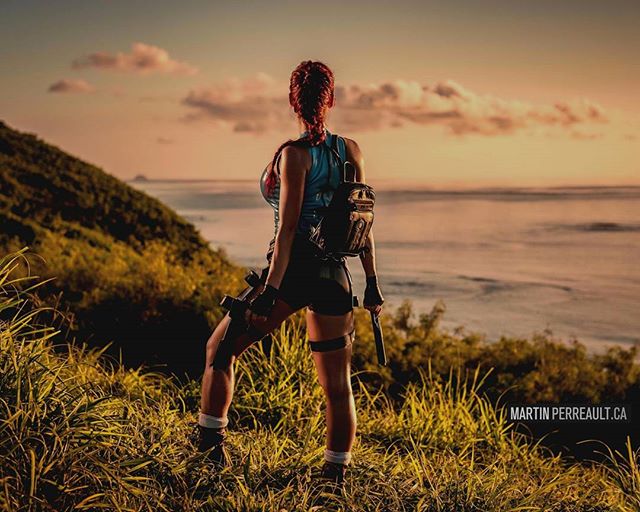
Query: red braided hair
[(310, 95)]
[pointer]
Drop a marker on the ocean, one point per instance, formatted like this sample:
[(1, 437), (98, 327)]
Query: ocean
[(510, 262)]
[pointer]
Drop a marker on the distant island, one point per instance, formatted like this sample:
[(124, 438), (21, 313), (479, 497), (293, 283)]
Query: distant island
[(140, 177)]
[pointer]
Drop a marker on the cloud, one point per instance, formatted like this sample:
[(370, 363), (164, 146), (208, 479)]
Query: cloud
[(457, 109), (164, 141), (71, 86), (143, 59), (253, 105), (259, 104)]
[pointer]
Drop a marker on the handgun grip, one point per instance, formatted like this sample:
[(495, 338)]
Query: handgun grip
[(227, 302), (252, 279), (236, 308)]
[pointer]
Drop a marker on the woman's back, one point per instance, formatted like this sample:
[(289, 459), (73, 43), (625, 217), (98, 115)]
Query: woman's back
[(322, 179)]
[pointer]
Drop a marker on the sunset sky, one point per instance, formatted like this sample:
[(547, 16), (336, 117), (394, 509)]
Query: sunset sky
[(455, 93)]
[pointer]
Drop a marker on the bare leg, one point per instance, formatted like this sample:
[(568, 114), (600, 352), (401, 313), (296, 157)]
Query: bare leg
[(218, 385), (334, 374)]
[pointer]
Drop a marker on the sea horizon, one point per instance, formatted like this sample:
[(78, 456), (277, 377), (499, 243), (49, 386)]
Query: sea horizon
[(401, 185), (512, 261)]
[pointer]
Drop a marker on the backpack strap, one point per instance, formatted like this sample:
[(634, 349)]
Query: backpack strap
[(333, 152), (334, 149), (345, 165)]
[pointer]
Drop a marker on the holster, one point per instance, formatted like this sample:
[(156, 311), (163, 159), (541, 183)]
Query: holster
[(236, 308)]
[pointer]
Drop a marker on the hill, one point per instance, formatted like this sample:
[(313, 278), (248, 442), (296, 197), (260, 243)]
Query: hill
[(135, 272), (42, 187)]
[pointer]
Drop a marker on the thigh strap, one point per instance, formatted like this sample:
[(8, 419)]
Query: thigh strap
[(332, 344)]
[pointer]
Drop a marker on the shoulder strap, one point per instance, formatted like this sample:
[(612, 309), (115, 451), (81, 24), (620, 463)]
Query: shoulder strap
[(334, 149), (344, 165), (333, 152), (329, 166), (277, 170)]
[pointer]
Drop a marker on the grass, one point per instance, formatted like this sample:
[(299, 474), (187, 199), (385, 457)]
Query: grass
[(79, 431)]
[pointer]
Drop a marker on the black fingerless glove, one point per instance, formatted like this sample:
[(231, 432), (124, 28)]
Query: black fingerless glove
[(263, 303), (372, 294)]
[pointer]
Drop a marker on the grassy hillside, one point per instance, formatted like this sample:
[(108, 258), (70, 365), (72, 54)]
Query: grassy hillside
[(42, 187), (132, 271), (81, 432)]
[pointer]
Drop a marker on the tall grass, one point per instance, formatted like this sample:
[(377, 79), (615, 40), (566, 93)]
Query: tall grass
[(78, 431)]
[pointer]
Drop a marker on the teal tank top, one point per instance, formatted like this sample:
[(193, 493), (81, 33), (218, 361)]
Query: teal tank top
[(322, 179)]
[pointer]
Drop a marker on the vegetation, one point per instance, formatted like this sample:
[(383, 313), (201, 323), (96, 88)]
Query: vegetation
[(520, 371), (44, 188), (80, 431), (127, 269), (536, 370)]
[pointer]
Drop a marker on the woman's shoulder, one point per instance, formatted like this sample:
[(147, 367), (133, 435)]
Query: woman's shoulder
[(290, 153), (295, 153), (353, 150), (295, 157)]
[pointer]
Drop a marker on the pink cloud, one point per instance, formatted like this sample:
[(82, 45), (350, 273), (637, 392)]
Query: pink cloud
[(260, 104), (71, 86), (143, 59), (457, 109), (254, 105)]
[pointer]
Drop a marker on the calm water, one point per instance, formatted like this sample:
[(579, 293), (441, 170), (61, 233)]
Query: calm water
[(505, 261)]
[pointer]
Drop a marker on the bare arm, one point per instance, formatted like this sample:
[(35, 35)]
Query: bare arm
[(373, 296), (368, 258), (292, 178), (293, 171)]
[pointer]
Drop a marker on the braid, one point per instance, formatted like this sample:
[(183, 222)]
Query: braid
[(310, 92)]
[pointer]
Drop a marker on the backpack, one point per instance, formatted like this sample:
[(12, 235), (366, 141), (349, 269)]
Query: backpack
[(347, 219)]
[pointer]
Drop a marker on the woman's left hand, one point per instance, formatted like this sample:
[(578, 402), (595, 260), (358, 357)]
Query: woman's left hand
[(376, 308), (373, 298)]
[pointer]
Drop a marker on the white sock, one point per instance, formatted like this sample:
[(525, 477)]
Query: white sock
[(337, 457), (204, 420)]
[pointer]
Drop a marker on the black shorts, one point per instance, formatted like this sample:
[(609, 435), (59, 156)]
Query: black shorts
[(323, 285)]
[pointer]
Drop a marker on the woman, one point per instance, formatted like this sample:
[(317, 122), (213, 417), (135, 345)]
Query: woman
[(297, 182)]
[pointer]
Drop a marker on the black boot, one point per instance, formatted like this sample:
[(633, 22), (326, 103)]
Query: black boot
[(333, 472), (211, 442)]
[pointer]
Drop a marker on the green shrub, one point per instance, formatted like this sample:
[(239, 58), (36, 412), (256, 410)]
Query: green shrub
[(541, 369)]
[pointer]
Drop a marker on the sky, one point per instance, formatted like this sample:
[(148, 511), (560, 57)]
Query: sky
[(437, 94)]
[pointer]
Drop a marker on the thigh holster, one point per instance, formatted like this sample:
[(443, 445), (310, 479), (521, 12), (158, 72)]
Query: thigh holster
[(236, 307), (332, 344)]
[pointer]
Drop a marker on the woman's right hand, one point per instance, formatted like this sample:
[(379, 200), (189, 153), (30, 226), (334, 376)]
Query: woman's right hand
[(260, 307), (373, 298)]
